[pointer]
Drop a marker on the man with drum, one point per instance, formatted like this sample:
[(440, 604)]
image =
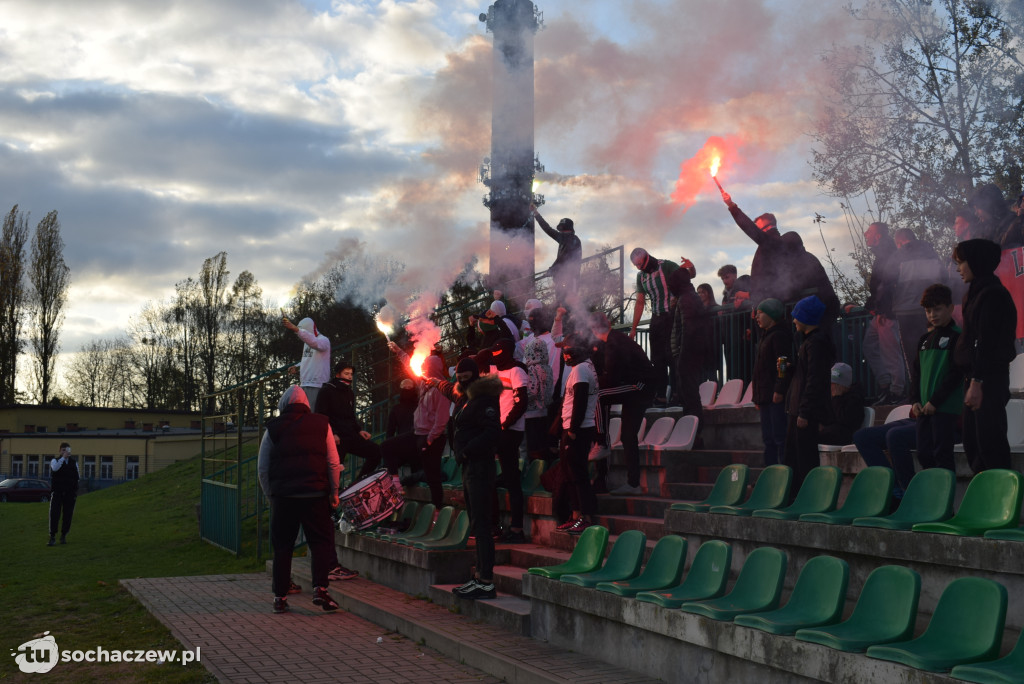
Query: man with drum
[(299, 470)]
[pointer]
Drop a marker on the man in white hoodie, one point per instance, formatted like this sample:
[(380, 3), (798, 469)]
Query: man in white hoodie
[(315, 367)]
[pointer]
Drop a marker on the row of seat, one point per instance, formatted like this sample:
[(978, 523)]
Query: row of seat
[(966, 627), (733, 395), (665, 433), (991, 505), (449, 532)]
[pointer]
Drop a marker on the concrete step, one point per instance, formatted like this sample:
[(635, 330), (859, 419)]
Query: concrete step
[(645, 506), (508, 612), (684, 467)]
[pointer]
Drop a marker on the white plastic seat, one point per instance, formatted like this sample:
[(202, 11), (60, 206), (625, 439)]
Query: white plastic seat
[(707, 390), (1017, 374), (614, 431), (659, 432), (730, 395), (748, 396), (899, 413), (1015, 422), (616, 441), (683, 434)]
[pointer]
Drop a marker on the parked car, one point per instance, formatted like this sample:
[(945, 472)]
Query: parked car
[(24, 489)]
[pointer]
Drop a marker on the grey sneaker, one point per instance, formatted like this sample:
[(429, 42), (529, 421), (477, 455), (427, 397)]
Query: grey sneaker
[(479, 590), (626, 490)]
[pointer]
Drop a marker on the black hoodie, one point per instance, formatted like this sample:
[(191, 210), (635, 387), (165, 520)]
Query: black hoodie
[(986, 346)]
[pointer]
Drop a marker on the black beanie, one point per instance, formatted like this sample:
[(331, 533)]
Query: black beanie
[(468, 365)]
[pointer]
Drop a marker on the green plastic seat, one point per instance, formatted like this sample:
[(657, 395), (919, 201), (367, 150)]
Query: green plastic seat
[(1016, 534), (708, 575), (729, 487), (456, 539), (929, 498), (452, 474), (770, 491), (817, 599), (991, 502), (966, 627), (818, 494), (885, 612), (531, 478), (407, 513), (586, 556), (419, 528), (664, 569), (869, 495), (1006, 670), (437, 532), (758, 588), (624, 561)]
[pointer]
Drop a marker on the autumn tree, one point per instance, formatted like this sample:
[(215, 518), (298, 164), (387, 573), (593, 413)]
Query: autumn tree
[(929, 106), (50, 278), (12, 298)]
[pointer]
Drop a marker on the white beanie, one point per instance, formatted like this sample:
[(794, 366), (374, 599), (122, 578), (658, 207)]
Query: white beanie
[(498, 307)]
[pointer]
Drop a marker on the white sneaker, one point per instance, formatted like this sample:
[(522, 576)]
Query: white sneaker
[(626, 490)]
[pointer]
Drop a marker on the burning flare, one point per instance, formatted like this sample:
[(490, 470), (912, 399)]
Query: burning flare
[(416, 362), (715, 163), (716, 153)]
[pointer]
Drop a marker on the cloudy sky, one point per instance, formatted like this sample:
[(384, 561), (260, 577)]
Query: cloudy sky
[(287, 132)]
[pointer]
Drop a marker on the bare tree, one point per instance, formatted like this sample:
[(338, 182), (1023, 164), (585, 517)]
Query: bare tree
[(12, 298), (929, 106), (213, 285), (183, 315), (50, 278), (100, 374)]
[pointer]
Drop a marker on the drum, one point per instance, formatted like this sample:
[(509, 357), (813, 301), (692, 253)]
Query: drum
[(370, 500)]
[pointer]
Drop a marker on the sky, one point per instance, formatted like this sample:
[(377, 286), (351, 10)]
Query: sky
[(292, 133)]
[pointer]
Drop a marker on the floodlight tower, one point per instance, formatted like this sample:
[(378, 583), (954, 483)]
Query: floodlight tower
[(509, 171)]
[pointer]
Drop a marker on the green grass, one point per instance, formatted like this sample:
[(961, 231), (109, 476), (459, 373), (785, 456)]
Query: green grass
[(144, 528)]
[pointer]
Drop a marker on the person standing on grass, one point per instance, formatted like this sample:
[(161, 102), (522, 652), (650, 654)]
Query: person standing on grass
[(299, 470), (64, 486)]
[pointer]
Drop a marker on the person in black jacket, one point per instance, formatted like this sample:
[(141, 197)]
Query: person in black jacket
[(770, 384), (337, 401), (882, 348), (477, 421), (566, 269), (64, 492), (400, 418), (808, 398), (983, 354), (847, 408), (691, 340)]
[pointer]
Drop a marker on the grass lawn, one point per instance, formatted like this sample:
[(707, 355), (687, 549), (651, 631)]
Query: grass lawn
[(145, 528)]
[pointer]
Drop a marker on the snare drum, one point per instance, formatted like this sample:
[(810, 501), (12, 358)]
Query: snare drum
[(371, 500)]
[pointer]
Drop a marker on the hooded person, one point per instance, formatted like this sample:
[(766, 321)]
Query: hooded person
[(847, 407), (770, 380), (299, 470), (983, 354), (476, 419), (514, 401), (540, 388), (691, 338), (423, 447), (314, 369), (579, 430), (489, 327), (991, 211), (565, 270), (400, 418)]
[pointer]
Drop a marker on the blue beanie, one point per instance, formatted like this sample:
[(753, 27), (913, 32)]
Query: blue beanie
[(809, 310)]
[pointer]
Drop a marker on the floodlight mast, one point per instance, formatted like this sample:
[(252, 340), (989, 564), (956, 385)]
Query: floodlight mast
[(509, 171)]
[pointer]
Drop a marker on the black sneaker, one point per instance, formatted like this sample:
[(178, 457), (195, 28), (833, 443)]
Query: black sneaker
[(323, 599), (63, 539), (463, 587), (478, 590), (342, 573), (53, 540), (513, 537), (280, 605), (580, 525), (294, 588)]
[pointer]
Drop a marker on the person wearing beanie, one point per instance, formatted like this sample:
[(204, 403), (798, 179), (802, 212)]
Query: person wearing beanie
[(807, 401), (847, 408), (652, 289), (565, 271), (983, 354), (423, 447), (769, 382), (476, 417), (315, 367)]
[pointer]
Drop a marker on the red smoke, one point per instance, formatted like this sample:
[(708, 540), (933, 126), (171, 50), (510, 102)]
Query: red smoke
[(695, 172)]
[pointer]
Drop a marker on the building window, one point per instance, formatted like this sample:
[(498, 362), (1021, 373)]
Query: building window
[(106, 467), (131, 468), (33, 465), (46, 467), (88, 467), (17, 465)]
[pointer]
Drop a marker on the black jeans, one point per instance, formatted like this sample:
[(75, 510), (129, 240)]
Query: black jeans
[(364, 449), (801, 451), (577, 451), (412, 450), (62, 504), (511, 477), (287, 514), (634, 405), (985, 440), (661, 353), (478, 486), (936, 435)]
